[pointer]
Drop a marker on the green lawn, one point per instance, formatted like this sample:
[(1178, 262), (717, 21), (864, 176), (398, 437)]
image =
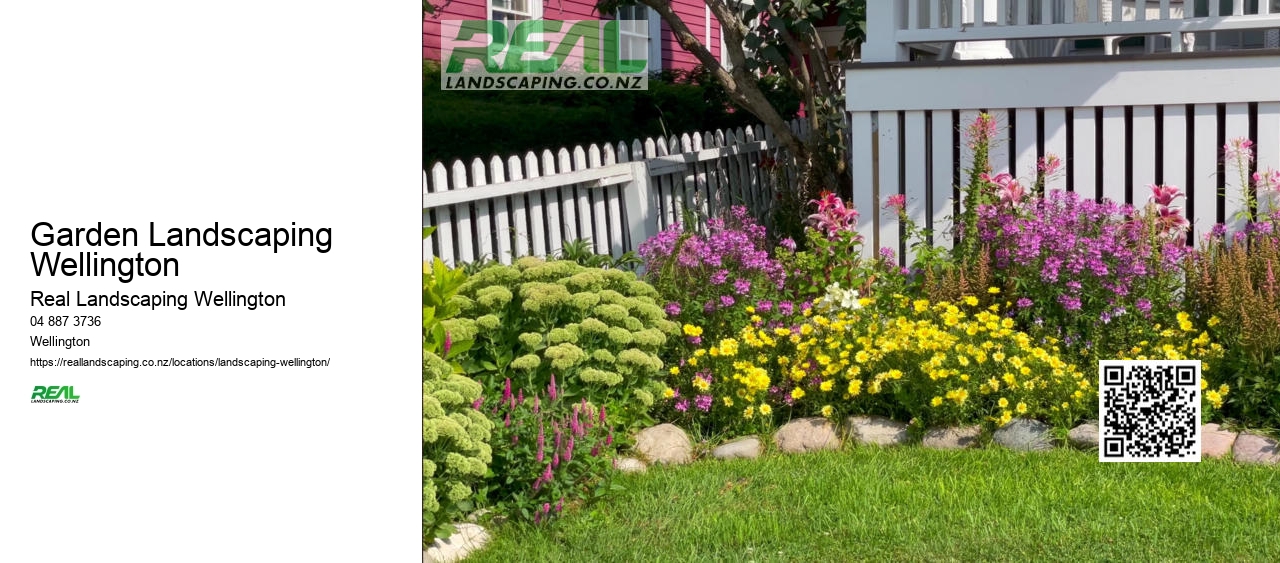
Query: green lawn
[(913, 504)]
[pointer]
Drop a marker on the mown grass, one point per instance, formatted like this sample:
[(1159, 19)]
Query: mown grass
[(913, 504)]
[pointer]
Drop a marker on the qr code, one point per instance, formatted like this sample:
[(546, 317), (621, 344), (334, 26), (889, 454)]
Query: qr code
[(1149, 410)]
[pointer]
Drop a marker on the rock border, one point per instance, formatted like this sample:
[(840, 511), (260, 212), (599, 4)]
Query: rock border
[(811, 434)]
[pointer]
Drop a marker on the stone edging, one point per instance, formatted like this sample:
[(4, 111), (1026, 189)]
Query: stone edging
[(669, 444)]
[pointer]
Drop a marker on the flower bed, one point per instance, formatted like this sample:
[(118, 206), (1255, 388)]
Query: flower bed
[(728, 335)]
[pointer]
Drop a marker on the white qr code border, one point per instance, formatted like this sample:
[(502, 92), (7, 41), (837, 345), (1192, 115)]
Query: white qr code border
[(1111, 445)]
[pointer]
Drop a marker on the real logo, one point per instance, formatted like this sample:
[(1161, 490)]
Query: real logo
[(54, 394), (585, 46), (539, 54)]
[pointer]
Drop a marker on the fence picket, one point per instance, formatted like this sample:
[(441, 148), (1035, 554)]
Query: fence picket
[(914, 183), (1144, 149), (890, 183), (444, 218), (1174, 148), (1055, 143), (1113, 142), (466, 237), (483, 214), (554, 205), (537, 213), (600, 235), (519, 216), (582, 198), (502, 217), (1001, 145), (1026, 136), (568, 210), (942, 183), (1083, 163), (1268, 148), (967, 117), (1203, 182), (862, 152), (1235, 126)]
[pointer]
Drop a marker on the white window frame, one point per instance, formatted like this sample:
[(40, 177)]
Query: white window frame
[(535, 10), (654, 39)]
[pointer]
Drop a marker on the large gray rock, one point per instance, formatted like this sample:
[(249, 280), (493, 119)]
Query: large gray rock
[(1255, 448), (742, 448), (465, 539), (1084, 436), (629, 465), (1024, 434), (876, 430), (664, 443), (953, 438), (806, 435), (1216, 442)]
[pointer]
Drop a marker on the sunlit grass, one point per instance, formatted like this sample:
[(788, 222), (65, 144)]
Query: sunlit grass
[(913, 504)]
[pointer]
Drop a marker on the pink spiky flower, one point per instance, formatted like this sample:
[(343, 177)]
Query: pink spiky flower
[(1164, 195), (1049, 164), (1239, 148), (896, 203)]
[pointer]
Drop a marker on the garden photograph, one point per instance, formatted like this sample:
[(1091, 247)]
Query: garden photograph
[(914, 280)]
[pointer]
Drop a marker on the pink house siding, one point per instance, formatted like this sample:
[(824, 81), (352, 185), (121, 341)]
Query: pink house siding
[(456, 10), (693, 12)]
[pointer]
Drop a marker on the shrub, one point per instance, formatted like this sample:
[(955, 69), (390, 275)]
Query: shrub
[(1233, 287), (554, 451), (455, 446), (1089, 273), (601, 333), (439, 285), (709, 279), (460, 125)]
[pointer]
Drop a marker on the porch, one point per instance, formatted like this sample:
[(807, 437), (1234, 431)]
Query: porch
[(907, 30), (1157, 110)]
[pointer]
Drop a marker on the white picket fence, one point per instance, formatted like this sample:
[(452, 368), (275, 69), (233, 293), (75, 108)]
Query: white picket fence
[(616, 196), (1118, 123)]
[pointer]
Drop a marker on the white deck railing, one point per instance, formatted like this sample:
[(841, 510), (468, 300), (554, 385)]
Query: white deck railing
[(1118, 125), (896, 25)]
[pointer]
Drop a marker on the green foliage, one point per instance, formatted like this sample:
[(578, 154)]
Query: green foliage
[(455, 446), (465, 125), (600, 332), (439, 285), (1233, 288), (555, 452), (581, 252)]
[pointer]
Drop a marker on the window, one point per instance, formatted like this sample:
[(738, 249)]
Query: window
[(515, 10), (639, 28)]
